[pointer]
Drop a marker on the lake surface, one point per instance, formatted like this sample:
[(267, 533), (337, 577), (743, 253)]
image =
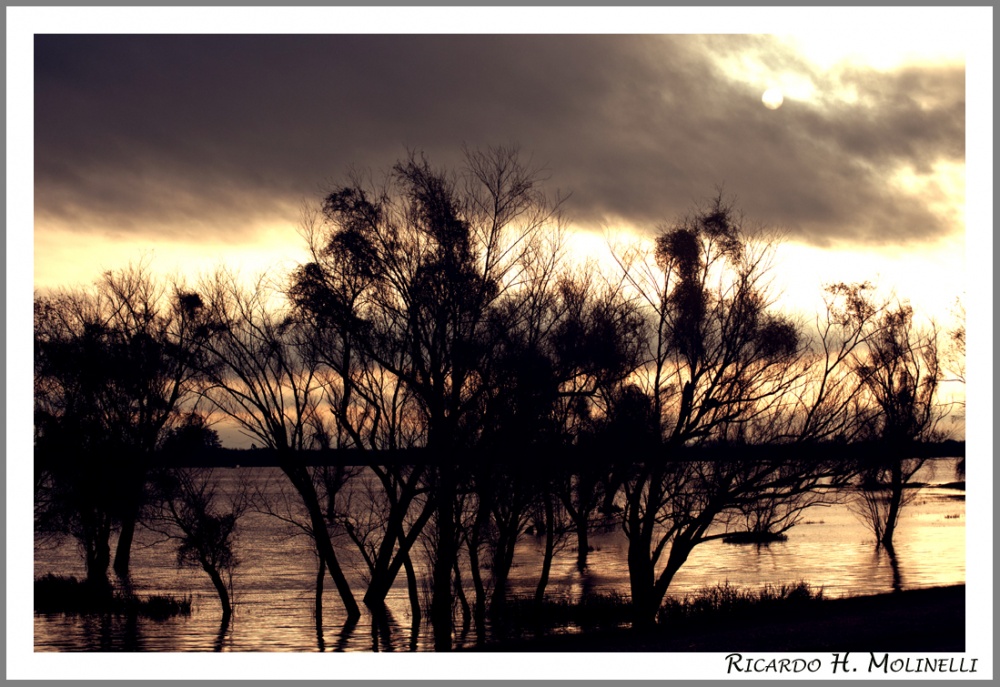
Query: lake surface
[(274, 587)]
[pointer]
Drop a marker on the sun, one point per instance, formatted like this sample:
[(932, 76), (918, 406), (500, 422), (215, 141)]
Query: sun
[(772, 99)]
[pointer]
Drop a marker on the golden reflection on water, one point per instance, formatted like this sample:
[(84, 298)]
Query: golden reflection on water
[(274, 589)]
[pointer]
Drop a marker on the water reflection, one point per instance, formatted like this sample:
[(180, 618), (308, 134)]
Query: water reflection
[(276, 606), (897, 579), (220, 639)]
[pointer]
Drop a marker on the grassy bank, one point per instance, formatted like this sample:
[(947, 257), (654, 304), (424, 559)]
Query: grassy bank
[(914, 620)]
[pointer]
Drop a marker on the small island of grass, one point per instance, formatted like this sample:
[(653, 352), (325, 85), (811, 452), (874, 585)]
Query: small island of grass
[(57, 594)]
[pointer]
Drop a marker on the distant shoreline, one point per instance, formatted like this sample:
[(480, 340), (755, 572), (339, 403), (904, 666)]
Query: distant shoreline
[(553, 456), (930, 619)]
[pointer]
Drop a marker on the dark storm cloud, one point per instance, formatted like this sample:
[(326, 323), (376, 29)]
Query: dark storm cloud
[(179, 133)]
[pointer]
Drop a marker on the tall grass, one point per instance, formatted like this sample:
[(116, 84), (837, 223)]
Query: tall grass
[(721, 603), (726, 602)]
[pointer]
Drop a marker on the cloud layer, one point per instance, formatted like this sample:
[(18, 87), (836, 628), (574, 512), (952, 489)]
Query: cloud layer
[(185, 136)]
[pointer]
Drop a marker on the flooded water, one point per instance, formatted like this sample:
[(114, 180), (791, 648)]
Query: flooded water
[(274, 587)]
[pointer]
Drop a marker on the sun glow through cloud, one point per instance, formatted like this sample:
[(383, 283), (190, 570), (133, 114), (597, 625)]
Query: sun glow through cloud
[(879, 47)]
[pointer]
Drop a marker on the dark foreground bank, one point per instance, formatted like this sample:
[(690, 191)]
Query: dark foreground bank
[(915, 620)]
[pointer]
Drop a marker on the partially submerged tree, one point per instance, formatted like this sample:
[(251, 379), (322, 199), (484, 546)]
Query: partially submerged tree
[(431, 257), (262, 376), (373, 412), (205, 524), (112, 368), (899, 370), (721, 362)]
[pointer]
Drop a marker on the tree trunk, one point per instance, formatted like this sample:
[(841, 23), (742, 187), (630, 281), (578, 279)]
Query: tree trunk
[(550, 545), (582, 541), (641, 580), (411, 589), (383, 574), (503, 561), (445, 559), (679, 552), (479, 604), (579, 513), (123, 550), (98, 552), (320, 574), (300, 480), (895, 501), (220, 589), (462, 601), (387, 565)]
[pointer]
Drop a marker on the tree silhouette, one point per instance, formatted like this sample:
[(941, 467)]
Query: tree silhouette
[(431, 256), (720, 364), (112, 368), (373, 411), (899, 370), (262, 376), (437, 337), (205, 524)]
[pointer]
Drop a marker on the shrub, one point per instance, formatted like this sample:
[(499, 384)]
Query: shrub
[(56, 594)]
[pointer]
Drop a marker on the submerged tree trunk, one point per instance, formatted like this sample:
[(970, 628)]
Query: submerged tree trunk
[(300, 480), (220, 589), (550, 545), (412, 590), (503, 561), (394, 551), (446, 559), (320, 575), (579, 513), (582, 542), (641, 577), (479, 603), (123, 550), (462, 601), (98, 551), (895, 503), (133, 485)]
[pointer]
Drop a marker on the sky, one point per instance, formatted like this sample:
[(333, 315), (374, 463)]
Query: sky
[(201, 148), (197, 149)]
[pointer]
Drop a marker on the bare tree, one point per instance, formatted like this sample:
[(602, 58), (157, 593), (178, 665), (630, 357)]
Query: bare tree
[(112, 368), (206, 525), (263, 378), (432, 256), (720, 363), (900, 370), (373, 412)]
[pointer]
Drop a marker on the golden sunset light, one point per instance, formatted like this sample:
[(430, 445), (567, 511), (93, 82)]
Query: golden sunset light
[(652, 330)]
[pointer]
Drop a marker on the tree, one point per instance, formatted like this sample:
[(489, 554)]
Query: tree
[(954, 364), (112, 368), (261, 375), (899, 370), (597, 345), (431, 256), (373, 412), (205, 528), (721, 363)]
